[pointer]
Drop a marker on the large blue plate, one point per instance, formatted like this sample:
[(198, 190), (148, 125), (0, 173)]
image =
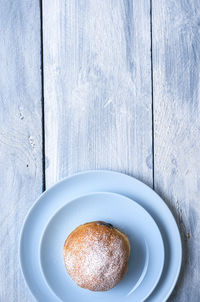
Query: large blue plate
[(82, 184), (147, 249)]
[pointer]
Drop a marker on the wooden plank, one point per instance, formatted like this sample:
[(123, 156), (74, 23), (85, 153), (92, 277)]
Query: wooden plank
[(20, 135), (176, 70), (97, 87)]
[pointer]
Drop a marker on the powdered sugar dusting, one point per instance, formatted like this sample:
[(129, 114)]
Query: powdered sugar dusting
[(96, 258)]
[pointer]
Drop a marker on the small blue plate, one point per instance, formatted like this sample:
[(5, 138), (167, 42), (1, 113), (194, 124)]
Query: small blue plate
[(84, 183), (147, 249)]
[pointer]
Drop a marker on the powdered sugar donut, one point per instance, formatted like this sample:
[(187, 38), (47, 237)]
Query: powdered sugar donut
[(96, 255)]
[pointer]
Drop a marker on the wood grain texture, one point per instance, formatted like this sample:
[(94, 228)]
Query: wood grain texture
[(176, 89), (20, 135), (97, 87)]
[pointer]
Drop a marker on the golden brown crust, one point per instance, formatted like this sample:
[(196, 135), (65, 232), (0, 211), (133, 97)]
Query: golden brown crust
[(96, 255)]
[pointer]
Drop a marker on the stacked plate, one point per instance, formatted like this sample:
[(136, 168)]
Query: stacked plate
[(118, 199)]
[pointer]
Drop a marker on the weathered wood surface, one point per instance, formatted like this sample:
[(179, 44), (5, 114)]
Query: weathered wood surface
[(20, 135), (176, 90), (98, 110), (97, 87)]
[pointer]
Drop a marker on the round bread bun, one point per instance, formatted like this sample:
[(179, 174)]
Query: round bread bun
[(96, 255)]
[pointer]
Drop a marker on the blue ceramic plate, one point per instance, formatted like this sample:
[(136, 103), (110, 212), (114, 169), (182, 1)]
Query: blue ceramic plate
[(81, 184), (147, 249)]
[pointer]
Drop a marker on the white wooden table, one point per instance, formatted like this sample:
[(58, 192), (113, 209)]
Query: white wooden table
[(93, 84)]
